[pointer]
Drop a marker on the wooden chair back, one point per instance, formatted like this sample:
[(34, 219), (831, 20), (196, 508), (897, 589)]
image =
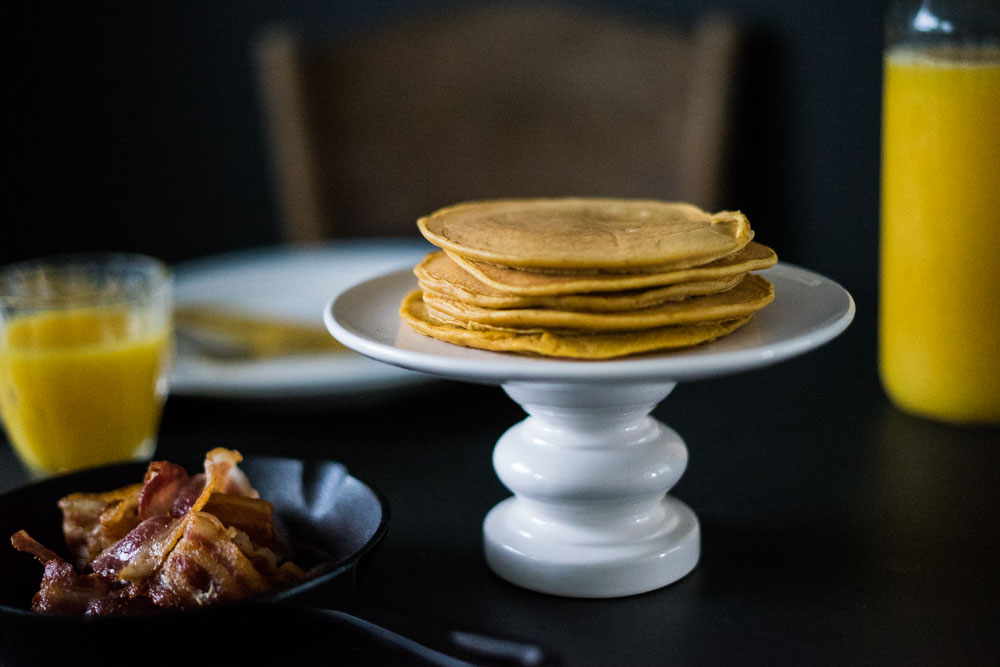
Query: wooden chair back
[(369, 133)]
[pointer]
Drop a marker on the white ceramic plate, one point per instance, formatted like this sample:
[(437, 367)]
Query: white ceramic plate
[(292, 284), (808, 310)]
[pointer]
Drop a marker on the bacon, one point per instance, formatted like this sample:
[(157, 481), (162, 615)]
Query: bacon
[(205, 566), (94, 521), (63, 591), (167, 490), (120, 516), (160, 486), (188, 495), (220, 472), (224, 476), (139, 550), (278, 574), (119, 601), (173, 541), (253, 516), (26, 543)]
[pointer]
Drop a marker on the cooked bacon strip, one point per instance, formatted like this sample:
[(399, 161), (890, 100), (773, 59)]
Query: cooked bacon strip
[(266, 561), (205, 566), (26, 543), (140, 551), (119, 517), (188, 495), (94, 521), (220, 470), (119, 601), (168, 490), (224, 475), (63, 591), (253, 516), (160, 486)]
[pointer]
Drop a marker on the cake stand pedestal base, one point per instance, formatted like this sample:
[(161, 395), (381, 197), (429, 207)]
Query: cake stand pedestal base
[(590, 469)]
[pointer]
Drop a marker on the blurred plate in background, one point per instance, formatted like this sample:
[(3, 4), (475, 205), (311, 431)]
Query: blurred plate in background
[(290, 286)]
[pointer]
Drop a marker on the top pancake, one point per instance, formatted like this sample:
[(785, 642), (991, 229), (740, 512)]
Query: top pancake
[(573, 234)]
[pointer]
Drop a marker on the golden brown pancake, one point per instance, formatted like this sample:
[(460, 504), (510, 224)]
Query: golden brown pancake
[(753, 257), (752, 294), (439, 275), (586, 278), (586, 233), (576, 345)]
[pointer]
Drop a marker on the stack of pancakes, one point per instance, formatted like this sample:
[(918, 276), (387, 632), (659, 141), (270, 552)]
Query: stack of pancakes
[(586, 278)]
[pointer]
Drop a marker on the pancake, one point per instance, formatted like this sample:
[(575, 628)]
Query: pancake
[(599, 345), (586, 278), (586, 233), (752, 294), (752, 257), (439, 275)]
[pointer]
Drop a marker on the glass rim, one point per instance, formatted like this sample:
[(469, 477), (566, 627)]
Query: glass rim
[(159, 275)]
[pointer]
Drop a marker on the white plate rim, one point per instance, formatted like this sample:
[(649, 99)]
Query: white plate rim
[(339, 375)]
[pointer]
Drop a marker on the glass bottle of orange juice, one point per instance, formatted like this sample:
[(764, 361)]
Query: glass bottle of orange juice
[(939, 308)]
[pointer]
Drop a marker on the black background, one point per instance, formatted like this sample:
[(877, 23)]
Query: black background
[(136, 126)]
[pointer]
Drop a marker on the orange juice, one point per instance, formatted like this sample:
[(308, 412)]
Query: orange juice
[(939, 325), (81, 387)]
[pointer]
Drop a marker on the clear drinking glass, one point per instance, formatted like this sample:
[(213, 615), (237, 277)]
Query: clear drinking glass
[(939, 310), (85, 350)]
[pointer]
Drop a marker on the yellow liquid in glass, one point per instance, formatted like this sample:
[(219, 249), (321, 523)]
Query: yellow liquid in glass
[(939, 325), (80, 388)]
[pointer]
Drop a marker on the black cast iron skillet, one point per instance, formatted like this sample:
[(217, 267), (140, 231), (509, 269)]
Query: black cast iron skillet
[(335, 521)]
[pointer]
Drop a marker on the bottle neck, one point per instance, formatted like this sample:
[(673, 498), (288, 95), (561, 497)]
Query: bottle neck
[(932, 23)]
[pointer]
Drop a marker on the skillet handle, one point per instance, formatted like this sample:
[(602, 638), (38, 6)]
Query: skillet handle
[(448, 648)]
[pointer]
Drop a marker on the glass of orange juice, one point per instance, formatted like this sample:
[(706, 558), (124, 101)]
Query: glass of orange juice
[(85, 349), (939, 307)]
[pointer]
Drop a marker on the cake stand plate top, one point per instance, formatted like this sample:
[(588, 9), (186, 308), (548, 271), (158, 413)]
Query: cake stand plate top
[(808, 310)]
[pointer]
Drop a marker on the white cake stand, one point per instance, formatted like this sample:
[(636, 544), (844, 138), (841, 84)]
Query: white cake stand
[(589, 467)]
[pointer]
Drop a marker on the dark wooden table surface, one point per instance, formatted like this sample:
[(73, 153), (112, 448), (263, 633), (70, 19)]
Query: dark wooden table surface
[(836, 530)]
